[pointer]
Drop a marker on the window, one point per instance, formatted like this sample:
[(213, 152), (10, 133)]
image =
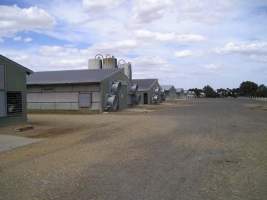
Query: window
[(14, 103), (2, 104), (2, 77)]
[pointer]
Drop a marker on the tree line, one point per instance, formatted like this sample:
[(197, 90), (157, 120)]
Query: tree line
[(246, 89)]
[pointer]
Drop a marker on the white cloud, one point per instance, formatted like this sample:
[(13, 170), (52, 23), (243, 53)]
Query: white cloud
[(124, 44), (14, 19), (17, 38), (183, 54), (117, 47), (212, 67), (254, 50), (98, 5), (146, 11), (28, 39), (168, 37), (207, 11), (244, 48)]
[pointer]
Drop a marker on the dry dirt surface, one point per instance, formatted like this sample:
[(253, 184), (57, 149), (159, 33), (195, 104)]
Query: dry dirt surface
[(187, 150)]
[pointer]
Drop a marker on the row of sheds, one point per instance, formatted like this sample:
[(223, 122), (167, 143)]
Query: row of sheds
[(76, 90)]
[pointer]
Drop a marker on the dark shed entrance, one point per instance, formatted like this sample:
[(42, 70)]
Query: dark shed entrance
[(145, 98)]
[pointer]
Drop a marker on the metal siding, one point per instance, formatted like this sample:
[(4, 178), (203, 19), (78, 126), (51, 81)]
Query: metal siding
[(52, 97), (53, 106), (86, 88), (67, 106), (63, 97), (2, 77), (96, 106), (2, 104), (124, 97), (96, 97), (63, 88), (33, 106), (34, 89), (15, 78)]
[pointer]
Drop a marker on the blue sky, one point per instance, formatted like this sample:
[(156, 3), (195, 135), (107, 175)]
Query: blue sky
[(187, 43)]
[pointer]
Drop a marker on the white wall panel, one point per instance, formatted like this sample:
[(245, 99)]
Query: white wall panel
[(85, 88), (67, 106), (95, 106), (52, 97), (95, 96), (34, 106)]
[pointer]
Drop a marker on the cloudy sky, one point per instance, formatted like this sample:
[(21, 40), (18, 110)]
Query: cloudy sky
[(187, 43)]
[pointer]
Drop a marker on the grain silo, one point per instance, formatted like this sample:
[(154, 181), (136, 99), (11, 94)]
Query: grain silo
[(110, 62), (95, 63), (127, 68)]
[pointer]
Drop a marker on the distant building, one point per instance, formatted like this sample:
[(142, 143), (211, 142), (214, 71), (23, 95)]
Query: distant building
[(169, 91), (189, 94), (180, 93), (12, 92), (78, 90), (148, 90)]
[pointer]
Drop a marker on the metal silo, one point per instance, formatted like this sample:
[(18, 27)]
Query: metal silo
[(127, 68), (95, 63), (110, 62)]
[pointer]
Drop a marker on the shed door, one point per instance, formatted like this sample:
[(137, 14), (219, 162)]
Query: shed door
[(2, 77), (85, 100), (2, 104)]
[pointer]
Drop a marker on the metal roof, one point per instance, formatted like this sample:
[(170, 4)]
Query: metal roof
[(28, 71), (144, 84), (70, 76)]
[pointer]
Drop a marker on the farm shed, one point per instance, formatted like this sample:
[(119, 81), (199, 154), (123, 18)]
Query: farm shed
[(149, 90), (12, 92), (78, 90), (169, 91)]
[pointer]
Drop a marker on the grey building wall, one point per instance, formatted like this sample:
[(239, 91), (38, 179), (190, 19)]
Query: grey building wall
[(14, 81), (63, 97)]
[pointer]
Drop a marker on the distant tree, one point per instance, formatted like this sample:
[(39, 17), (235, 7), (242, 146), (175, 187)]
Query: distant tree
[(222, 92), (209, 92), (262, 91), (235, 92), (248, 88), (196, 91)]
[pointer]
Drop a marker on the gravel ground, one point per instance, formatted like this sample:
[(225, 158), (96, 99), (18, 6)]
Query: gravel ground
[(188, 150)]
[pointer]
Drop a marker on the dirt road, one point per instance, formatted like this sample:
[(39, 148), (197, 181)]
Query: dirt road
[(199, 149)]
